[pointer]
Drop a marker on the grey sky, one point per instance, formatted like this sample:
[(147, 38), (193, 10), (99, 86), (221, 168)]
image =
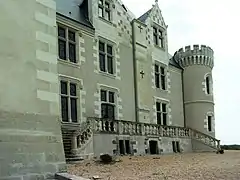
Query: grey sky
[(214, 23)]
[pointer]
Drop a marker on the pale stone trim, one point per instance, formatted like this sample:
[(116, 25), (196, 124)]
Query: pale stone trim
[(199, 101), (51, 22), (48, 96), (47, 76), (46, 57), (48, 3), (46, 38)]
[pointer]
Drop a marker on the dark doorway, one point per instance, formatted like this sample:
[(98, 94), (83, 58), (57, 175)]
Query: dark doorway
[(174, 146), (127, 147), (153, 147), (121, 147), (178, 146)]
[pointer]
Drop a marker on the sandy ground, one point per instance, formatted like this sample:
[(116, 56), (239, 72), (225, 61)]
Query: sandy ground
[(202, 166)]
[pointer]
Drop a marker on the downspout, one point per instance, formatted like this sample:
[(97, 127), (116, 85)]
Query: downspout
[(135, 72)]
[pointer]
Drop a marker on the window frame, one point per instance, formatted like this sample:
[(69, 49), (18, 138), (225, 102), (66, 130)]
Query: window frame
[(208, 84), (107, 55), (108, 102), (158, 75), (105, 10), (162, 113), (158, 36), (69, 98), (68, 42)]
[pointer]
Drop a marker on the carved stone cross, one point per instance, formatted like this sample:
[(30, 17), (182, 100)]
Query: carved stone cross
[(142, 73)]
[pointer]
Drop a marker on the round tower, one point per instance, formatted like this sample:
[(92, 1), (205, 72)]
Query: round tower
[(197, 64)]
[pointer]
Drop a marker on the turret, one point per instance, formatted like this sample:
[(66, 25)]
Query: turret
[(197, 63)]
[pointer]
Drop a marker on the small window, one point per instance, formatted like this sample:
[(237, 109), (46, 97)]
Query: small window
[(104, 10), (107, 104), (106, 58), (67, 44), (160, 77), (158, 37), (208, 85), (210, 123), (161, 109)]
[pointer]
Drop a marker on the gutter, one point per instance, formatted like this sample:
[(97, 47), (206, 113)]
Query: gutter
[(135, 73)]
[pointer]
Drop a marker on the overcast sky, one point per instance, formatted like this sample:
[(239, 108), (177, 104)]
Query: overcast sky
[(214, 23)]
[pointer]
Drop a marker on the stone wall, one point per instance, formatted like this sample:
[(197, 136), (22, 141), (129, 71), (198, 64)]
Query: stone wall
[(30, 137)]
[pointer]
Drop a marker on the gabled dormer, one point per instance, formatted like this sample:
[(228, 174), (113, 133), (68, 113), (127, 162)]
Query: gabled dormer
[(156, 27)]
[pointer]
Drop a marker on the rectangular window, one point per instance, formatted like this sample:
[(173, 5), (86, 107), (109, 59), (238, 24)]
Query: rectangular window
[(160, 77), (158, 37), (69, 100), (161, 109), (104, 10), (106, 58), (208, 84), (209, 123), (67, 44), (107, 104)]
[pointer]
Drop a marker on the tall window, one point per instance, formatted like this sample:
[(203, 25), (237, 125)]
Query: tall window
[(160, 77), (158, 37), (210, 123), (208, 87), (106, 57), (107, 104), (104, 10), (67, 44), (161, 113), (69, 101)]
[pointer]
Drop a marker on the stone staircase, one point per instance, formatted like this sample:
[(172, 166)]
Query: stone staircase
[(77, 137)]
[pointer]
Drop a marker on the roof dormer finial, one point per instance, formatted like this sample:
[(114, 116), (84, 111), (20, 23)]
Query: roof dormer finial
[(156, 1)]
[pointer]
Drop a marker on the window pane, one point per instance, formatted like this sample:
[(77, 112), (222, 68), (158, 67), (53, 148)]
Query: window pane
[(71, 36), (111, 97), (157, 81), (155, 39), (162, 70), (109, 49), (207, 85), (64, 87), (64, 109), (158, 107), (101, 47), (61, 32), (110, 65), (159, 118), (72, 53), (164, 119), (104, 110), (164, 107), (73, 89), (102, 62), (100, 11), (107, 15), (62, 49), (74, 109), (107, 5), (103, 95), (110, 111), (156, 68), (154, 30), (163, 83)]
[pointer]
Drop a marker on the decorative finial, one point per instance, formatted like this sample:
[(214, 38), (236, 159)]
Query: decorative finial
[(156, 1)]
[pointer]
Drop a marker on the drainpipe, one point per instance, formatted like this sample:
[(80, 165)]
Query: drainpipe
[(135, 72)]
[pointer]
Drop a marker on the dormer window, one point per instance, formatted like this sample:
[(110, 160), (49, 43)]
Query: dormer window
[(104, 10), (158, 37)]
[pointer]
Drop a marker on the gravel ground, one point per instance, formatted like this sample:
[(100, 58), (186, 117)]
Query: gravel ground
[(202, 166)]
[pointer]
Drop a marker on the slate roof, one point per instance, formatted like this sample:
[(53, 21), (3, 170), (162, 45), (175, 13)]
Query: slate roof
[(76, 10), (145, 16)]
